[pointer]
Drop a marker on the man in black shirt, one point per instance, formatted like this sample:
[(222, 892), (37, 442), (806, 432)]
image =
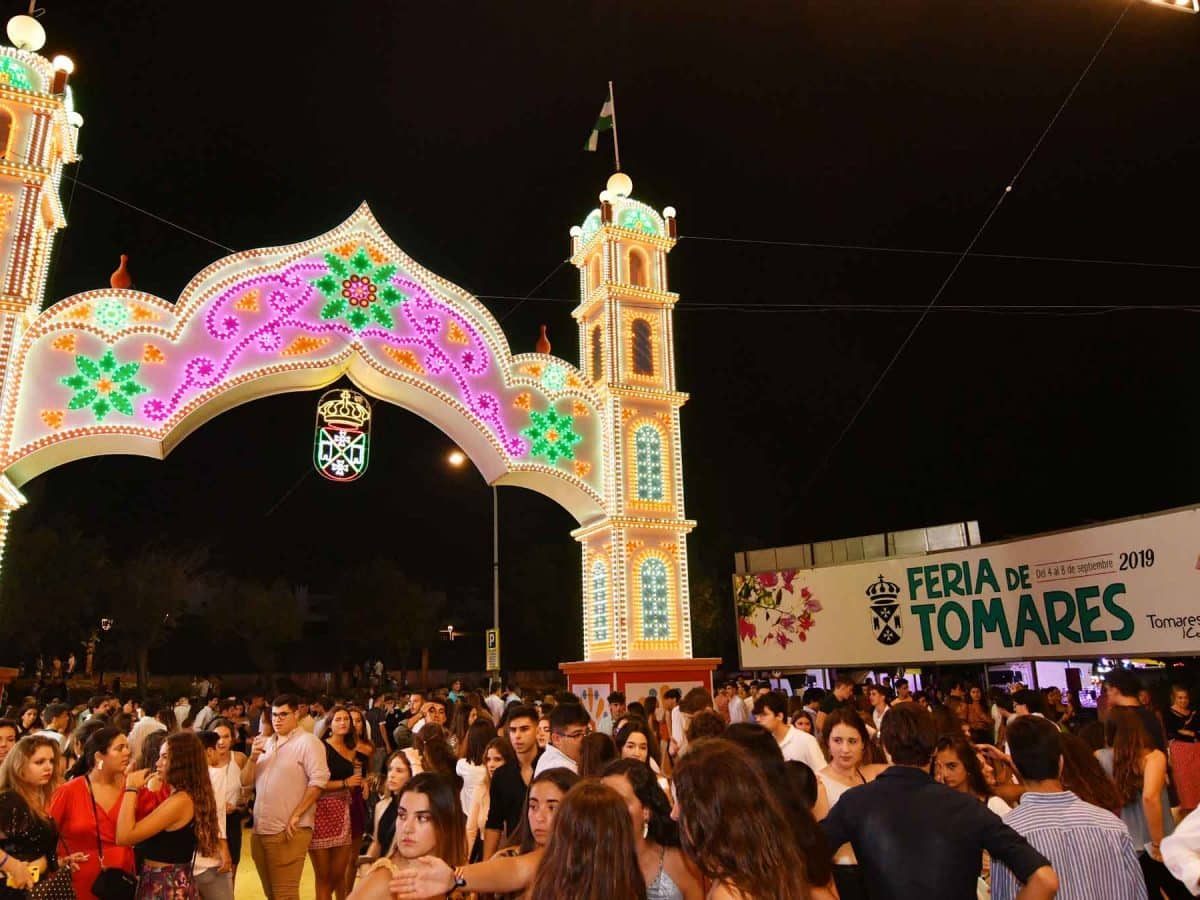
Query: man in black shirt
[(915, 838), (511, 780), (1121, 688)]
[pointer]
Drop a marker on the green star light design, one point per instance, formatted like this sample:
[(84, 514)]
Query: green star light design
[(103, 385), (551, 435)]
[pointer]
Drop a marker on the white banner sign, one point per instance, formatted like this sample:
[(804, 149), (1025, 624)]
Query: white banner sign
[(1129, 588)]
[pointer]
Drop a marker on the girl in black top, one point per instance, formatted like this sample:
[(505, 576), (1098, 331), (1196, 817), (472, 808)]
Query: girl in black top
[(181, 826), (28, 836)]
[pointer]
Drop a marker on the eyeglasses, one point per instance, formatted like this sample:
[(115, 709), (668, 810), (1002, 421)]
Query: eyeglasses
[(279, 715), (574, 735)]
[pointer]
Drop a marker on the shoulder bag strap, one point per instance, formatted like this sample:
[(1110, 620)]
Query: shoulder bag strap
[(96, 818)]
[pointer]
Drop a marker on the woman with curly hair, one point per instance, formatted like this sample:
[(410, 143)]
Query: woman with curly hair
[(178, 828), (667, 872), (732, 827)]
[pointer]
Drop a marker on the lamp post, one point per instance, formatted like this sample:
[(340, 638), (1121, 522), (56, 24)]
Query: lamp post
[(458, 459)]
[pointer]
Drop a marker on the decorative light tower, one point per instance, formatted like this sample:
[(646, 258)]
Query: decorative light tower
[(636, 611), (38, 132)]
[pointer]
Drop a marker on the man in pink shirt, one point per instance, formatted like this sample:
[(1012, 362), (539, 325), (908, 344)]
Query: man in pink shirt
[(288, 771)]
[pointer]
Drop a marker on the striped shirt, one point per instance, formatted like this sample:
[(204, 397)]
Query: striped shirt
[(1089, 848)]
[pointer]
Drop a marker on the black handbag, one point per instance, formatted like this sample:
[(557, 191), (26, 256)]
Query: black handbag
[(110, 884)]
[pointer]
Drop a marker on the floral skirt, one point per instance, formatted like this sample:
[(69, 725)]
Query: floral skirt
[(167, 883), (331, 827)]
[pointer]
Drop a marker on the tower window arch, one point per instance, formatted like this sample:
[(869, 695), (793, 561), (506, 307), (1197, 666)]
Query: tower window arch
[(639, 269), (648, 464), (643, 347), (599, 602), (593, 277), (6, 130), (654, 600), (597, 355)]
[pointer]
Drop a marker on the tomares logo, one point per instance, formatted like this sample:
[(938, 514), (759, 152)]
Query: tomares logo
[(885, 611)]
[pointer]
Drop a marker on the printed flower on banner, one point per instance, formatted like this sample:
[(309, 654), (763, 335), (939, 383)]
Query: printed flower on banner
[(552, 435), (103, 384), (763, 601), (359, 290)]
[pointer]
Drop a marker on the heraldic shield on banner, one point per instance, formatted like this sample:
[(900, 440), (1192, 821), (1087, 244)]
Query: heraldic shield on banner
[(342, 446), (885, 611)]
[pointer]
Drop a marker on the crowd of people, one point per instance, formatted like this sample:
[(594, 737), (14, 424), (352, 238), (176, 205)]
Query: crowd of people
[(863, 791)]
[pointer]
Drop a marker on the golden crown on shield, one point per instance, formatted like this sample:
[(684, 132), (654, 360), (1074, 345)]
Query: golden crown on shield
[(347, 410)]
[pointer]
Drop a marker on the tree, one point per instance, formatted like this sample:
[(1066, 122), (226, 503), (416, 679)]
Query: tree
[(266, 617), (52, 580), (712, 616), (380, 611), (149, 596)]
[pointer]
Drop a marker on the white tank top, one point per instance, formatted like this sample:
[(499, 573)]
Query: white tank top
[(233, 783)]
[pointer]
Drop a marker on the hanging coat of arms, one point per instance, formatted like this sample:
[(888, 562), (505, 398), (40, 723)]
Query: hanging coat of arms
[(342, 445), (885, 611)]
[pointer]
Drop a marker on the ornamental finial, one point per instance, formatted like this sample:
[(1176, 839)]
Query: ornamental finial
[(543, 342), (121, 280)]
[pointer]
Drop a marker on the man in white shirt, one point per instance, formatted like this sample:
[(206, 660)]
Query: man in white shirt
[(879, 704), (737, 709), (568, 727), (614, 711), (207, 714), (56, 718), (770, 711), (494, 704), (144, 727), (1181, 852), (182, 709), (678, 740), (214, 874)]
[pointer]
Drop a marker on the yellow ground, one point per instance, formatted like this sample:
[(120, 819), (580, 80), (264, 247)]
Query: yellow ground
[(248, 887)]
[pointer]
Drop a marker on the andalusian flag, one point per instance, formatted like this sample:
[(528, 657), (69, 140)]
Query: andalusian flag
[(604, 123)]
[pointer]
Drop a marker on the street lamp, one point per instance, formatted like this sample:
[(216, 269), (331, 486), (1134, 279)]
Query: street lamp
[(458, 459), (1188, 6)]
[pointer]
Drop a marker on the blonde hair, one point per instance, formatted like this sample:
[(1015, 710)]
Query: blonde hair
[(12, 773)]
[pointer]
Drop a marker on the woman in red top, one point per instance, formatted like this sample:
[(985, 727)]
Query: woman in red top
[(91, 800)]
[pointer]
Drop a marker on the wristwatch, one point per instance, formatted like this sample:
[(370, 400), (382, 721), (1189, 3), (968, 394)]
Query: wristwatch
[(460, 880)]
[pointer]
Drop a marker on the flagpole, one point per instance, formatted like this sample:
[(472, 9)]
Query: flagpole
[(616, 147)]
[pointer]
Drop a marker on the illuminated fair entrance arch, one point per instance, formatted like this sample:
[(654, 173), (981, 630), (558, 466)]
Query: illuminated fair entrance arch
[(121, 371)]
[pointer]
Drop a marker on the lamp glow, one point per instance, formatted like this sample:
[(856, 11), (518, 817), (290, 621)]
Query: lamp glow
[(668, 212), (63, 64), (456, 458), (620, 184), (26, 33)]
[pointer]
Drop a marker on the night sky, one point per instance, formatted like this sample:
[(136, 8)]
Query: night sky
[(894, 124)]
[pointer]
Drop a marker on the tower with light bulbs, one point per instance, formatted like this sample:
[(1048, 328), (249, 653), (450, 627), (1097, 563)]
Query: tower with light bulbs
[(636, 609), (39, 129)]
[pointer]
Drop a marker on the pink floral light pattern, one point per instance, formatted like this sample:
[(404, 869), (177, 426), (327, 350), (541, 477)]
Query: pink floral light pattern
[(771, 610), (293, 304)]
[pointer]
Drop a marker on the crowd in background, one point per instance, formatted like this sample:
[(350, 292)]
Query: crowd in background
[(865, 790)]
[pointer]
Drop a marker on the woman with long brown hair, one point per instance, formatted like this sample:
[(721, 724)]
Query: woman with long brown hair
[(733, 829), (591, 850), (956, 765), (499, 752), (28, 836), (1139, 771), (667, 872), (333, 850), (429, 823), (178, 828), (1083, 775), (845, 735)]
